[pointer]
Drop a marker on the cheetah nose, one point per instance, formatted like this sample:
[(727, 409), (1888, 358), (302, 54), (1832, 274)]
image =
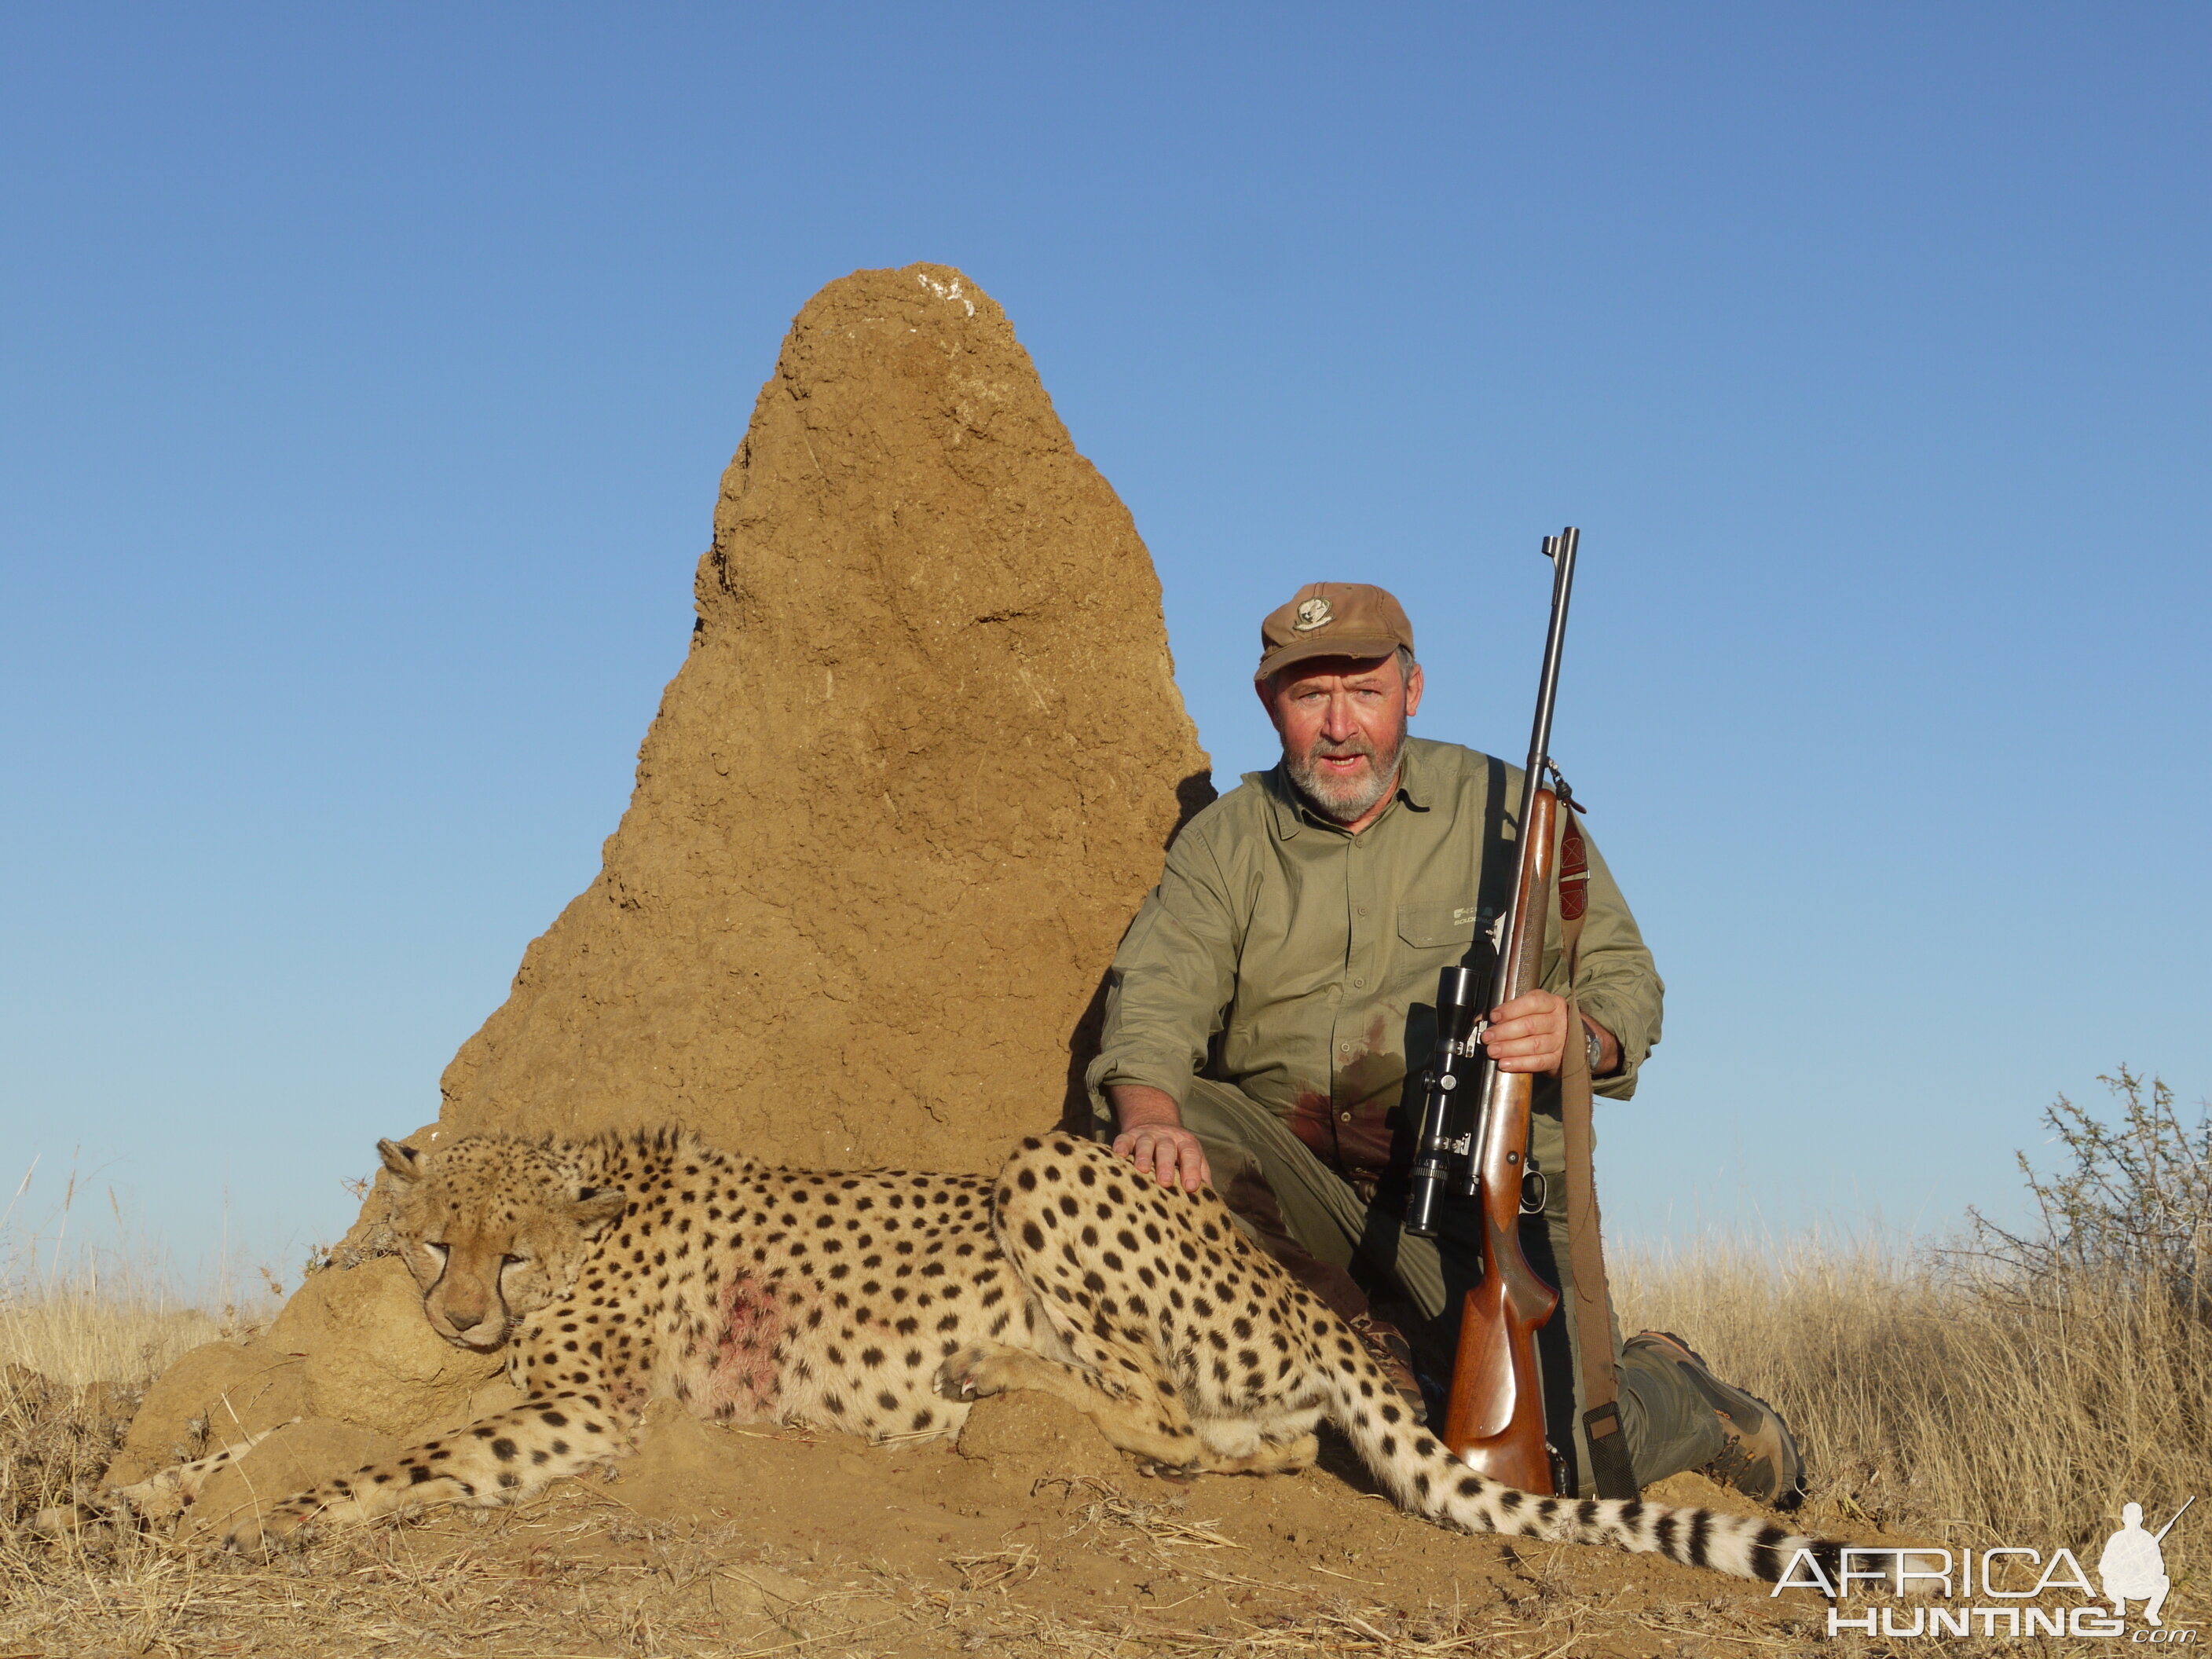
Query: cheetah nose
[(463, 1322)]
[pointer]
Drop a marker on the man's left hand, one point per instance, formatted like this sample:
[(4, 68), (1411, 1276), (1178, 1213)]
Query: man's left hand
[(1530, 1034)]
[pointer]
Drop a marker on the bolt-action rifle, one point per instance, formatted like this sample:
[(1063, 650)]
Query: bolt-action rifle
[(1475, 1129)]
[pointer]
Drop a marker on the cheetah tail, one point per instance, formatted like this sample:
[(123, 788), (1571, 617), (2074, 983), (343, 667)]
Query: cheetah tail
[(1427, 1479)]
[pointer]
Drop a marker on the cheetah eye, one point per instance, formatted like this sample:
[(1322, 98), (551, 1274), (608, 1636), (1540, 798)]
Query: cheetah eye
[(511, 1260), (437, 1249)]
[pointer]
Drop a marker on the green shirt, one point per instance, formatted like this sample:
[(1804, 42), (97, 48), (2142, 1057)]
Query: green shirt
[(1300, 962)]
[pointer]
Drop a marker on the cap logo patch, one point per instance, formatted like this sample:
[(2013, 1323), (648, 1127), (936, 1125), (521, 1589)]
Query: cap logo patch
[(1314, 613)]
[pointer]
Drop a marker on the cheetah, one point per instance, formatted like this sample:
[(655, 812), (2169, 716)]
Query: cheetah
[(620, 1270)]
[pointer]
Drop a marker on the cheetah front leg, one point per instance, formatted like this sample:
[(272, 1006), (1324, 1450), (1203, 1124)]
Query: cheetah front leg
[(158, 1496), (499, 1460), (180, 1483)]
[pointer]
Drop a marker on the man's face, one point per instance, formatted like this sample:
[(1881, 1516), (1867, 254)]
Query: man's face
[(1342, 720)]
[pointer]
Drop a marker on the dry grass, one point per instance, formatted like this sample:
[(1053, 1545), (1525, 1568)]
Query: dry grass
[(80, 1338), (1938, 1402), (78, 1332), (76, 1314), (579, 1582), (1958, 1400)]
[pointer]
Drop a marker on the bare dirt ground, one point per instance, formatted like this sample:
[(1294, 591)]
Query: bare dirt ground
[(1035, 1538)]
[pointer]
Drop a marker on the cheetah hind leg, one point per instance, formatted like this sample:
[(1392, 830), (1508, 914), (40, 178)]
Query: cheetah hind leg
[(1281, 1447), (1144, 1417)]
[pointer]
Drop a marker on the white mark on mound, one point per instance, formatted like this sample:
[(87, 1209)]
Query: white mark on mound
[(945, 291)]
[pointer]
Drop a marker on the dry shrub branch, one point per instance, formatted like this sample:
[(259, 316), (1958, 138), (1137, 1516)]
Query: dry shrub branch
[(2021, 1387)]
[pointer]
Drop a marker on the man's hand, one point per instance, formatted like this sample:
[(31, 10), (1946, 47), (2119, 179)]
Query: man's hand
[(1153, 1136), (1530, 1034)]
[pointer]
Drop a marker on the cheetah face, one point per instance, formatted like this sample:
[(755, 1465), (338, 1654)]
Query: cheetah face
[(493, 1229)]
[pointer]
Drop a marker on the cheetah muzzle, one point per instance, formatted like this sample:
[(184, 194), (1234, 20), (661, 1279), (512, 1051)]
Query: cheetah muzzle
[(618, 1271)]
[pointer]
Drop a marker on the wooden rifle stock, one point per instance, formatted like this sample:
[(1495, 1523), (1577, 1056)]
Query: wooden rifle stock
[(1495, 1420)]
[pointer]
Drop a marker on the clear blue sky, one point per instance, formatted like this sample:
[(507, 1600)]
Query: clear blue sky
[(366, 373)]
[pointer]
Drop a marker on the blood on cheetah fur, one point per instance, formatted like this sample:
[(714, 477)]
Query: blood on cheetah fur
[(615, 1270)]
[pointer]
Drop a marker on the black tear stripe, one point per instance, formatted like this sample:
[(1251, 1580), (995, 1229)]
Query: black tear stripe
[(1701, 1527)]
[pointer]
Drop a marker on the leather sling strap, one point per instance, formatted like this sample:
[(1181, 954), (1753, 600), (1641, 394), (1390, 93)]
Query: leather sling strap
[(1610, 1471)]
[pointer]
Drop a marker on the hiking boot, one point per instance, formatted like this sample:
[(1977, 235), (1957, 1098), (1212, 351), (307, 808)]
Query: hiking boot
[(1388, 1347), (1760, 1458)]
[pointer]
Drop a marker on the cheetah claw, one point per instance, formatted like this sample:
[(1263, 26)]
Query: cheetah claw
[(266, 1535)]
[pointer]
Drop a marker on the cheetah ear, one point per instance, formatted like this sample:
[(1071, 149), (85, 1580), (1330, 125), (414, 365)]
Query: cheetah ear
[(593, 1206), (403, 1161)]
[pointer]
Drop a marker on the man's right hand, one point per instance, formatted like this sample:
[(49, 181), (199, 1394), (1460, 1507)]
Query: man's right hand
[(1153, 1136)]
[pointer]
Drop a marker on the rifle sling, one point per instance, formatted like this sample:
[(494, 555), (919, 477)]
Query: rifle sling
[(1610, 1471)]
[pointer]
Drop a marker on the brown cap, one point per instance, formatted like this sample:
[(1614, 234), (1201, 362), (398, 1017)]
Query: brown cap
[(1333, 619)]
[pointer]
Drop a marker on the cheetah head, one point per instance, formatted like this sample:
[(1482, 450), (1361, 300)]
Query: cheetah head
[(493, 1228)]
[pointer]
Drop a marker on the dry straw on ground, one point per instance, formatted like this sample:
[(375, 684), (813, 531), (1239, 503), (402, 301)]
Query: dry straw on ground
[(1938, 1401)]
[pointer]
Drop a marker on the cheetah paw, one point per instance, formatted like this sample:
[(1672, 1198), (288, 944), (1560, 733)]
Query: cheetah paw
[(268, 1533), (1180, 1475), (975, 1372)]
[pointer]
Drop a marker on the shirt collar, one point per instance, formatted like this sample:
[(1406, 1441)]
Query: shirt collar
[(1291, 813)]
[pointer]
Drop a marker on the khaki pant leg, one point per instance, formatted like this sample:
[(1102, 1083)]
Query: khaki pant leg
[(1320, 1211)]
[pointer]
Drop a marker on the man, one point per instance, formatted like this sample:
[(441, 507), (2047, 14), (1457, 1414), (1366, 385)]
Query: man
[(1272, 1004)]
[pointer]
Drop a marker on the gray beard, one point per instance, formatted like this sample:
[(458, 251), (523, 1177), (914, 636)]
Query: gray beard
[(1349, 800)]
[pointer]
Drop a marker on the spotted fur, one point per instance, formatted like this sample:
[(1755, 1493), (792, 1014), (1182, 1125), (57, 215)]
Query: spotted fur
[(618, 1271)]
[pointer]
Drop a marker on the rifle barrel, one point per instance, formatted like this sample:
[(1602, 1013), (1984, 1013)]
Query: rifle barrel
[(1560, 550), (2168, 1526)]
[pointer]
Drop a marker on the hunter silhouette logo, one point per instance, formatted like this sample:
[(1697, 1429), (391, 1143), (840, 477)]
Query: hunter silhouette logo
[(2133, 1568), (1982, 1591), (1314, 613)]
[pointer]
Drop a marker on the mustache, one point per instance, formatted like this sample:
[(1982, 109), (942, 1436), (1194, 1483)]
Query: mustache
[(1341, 751)]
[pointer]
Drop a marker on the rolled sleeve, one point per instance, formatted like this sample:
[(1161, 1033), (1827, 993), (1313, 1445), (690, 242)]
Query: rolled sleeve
[(1174, 973)]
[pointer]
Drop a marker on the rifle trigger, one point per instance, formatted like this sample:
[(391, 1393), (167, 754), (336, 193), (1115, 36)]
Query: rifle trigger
[(1534, 1190)]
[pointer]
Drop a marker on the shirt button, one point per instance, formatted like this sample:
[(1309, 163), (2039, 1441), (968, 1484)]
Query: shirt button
[(1347, 1117), (1363, 909), (1344, 1048), (1359, 985)]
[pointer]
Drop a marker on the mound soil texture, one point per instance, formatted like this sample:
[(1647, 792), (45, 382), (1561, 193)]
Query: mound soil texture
[(903, 796), (913, 778)]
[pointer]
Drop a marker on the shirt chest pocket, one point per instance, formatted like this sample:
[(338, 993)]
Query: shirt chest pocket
[(1441, 926)]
